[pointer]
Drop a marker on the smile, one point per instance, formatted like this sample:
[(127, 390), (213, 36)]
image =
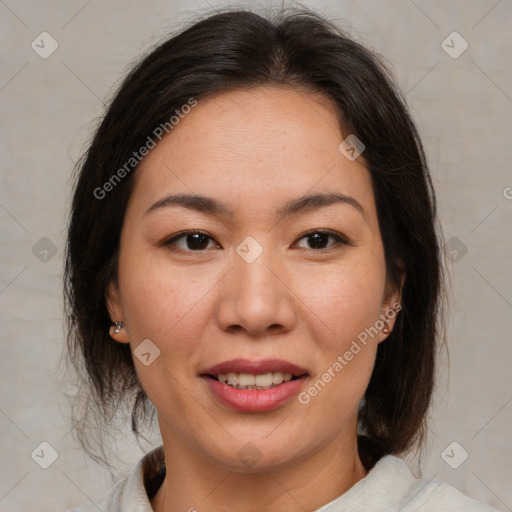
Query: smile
[(242, 380), (254, 386)]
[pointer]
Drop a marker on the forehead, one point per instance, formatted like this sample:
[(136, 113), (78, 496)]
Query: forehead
[(279, 122), (254, 145)]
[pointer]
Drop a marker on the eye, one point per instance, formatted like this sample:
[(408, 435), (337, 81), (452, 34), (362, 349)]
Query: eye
[(319, 238), (198, 241), (194, 241)]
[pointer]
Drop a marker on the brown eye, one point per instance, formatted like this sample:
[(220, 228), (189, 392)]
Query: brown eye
[(192, 241), (318, 240)]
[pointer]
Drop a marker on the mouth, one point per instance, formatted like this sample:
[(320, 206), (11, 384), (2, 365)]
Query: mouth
[(254, 386), (244, 380), (247, 374)]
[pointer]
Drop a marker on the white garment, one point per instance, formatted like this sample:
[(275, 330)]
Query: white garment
[(389, 486)]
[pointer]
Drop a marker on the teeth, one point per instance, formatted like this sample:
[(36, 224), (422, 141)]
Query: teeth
[(233, 379), (264, 380), (277, 377), (246, 379), (250, 381)]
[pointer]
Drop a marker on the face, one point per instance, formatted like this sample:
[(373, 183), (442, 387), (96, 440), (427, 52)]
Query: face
[(267, 287)]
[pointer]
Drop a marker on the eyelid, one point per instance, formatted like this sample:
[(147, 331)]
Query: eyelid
[(183, 234), (330, 232), (341, 239)]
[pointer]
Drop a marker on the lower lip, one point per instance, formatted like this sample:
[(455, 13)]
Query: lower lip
[(254, 400)]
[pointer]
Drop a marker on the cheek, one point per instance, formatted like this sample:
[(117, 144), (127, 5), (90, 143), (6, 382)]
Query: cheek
[(164, 305), (342, 302), (346, 311), (161, 302)]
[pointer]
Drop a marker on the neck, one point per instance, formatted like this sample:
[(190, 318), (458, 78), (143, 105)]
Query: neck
[(193, 483)]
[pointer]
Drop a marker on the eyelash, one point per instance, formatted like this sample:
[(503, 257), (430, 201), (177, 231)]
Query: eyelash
[(340, 240)]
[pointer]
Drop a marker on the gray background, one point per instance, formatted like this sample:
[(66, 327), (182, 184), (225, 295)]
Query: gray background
[(463, 107)]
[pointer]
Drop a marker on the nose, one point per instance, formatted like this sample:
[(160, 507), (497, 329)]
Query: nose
[(255, 298)]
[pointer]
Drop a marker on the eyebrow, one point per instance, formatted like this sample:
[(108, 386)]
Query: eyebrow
[(211, 206)]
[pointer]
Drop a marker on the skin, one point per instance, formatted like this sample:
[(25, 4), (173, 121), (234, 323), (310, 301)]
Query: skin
[(253, 150)]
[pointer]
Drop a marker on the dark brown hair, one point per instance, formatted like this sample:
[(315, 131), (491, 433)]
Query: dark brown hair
[(240, 49)]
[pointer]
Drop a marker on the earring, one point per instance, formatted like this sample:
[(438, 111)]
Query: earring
[(385, 330), (119, 326)]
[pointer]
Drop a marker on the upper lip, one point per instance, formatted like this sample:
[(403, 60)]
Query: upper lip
[(241, 365)]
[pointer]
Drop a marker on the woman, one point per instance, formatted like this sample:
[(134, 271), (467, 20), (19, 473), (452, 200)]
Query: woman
[(253, 254)]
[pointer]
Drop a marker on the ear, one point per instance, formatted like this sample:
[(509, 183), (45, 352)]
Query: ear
[(392, 302), (114, 306)]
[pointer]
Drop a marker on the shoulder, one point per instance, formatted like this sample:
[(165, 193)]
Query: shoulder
[(390, 486), (129, 494), (111, 501), (435, 495), (428, 495)]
